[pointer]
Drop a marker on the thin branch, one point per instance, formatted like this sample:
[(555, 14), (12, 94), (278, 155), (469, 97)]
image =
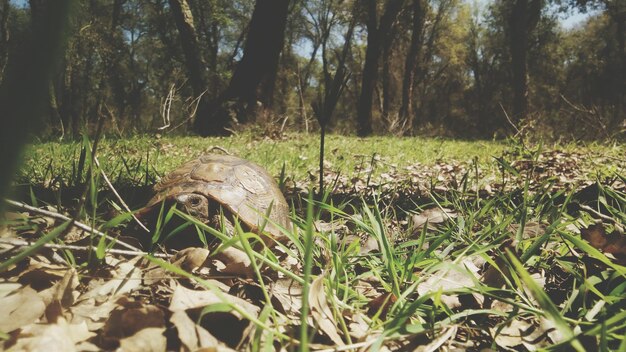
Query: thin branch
[(22, 243), (597, 213), (117, 195), (518, 132), (62, 217), (167, 107)]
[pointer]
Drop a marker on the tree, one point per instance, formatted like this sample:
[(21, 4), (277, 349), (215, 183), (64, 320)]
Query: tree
[(410, 63), (377, 33), (523, 16), (24, 90), (257, 67), (5, 8), (616, 11), (196, 68)]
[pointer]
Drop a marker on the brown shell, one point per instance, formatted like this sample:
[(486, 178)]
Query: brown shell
[(239, 185)]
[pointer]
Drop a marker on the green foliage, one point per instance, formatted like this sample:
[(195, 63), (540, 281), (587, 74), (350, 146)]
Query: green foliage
[(124, 64)]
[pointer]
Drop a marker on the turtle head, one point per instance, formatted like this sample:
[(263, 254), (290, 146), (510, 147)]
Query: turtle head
[(194, 204)]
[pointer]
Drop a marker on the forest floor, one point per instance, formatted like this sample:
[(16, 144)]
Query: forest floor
[(419, 244)]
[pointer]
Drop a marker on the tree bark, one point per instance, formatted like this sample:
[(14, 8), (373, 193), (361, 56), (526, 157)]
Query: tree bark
[(523, 19), (266, 35), (410, 63), (387, 77), (196, 68), (205, 123), (617, 10), (38, 11), (24, 90), (5, 8), (376, 33)]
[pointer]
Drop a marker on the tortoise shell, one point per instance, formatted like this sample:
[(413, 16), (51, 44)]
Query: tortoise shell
[(239, 186)]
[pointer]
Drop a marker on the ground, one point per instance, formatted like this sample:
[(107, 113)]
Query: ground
[(418, 244)]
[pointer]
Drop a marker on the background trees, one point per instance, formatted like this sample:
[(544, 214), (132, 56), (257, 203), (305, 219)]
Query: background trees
[(446, 67)]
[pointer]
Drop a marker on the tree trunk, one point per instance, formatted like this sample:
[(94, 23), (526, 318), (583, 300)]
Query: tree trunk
[(376, 33), (370, 72), (523, 19), (410, 63), (38, 11), (24, 90), (266, 36), (196, 69), (617, 10), (387, 84), (4, 35)]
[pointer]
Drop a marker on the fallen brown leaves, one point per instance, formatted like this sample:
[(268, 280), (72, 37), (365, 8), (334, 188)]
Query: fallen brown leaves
[(613, 243), (554, 169)]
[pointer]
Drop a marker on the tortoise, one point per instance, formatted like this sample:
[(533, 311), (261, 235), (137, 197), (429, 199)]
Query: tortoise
[(214, 185)]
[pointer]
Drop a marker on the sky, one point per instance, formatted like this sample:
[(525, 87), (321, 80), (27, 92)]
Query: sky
[(575, 19)]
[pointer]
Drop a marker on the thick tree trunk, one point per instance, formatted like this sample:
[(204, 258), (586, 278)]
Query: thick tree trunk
[(205, 123), (618, 12), (370, 72), (410, 63), (39, 10), (4, 35), (376, 33), (387, 78), (264, 43), (523, 19), (24, 90), (266, 36), (196, 68)]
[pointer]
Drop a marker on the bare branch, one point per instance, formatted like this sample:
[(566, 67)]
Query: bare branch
[(117, 195), (62, 217), (22, 243)]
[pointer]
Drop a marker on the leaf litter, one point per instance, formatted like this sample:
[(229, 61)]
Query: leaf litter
[(466, 291)]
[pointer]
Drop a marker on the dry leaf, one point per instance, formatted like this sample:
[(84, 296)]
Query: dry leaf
[(6, 288), (60, 296), (184, 299), (21, 308), (125, 278), (227, 326), (190, 259), (432, 216), (440, 339), (128, 320), (149, 339), (451, 277), (92, 312), (288, 293), (194, 336), (358, 327), (60, 336), (613, 243), (236, 262), (381, 304), (322, 315)]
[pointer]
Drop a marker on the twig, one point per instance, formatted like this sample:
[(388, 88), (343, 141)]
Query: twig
[(509, 120), (577, 108), (166, 108), (78, 224), (597, 213), (197, 102), (22, 243), (117, 195)]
